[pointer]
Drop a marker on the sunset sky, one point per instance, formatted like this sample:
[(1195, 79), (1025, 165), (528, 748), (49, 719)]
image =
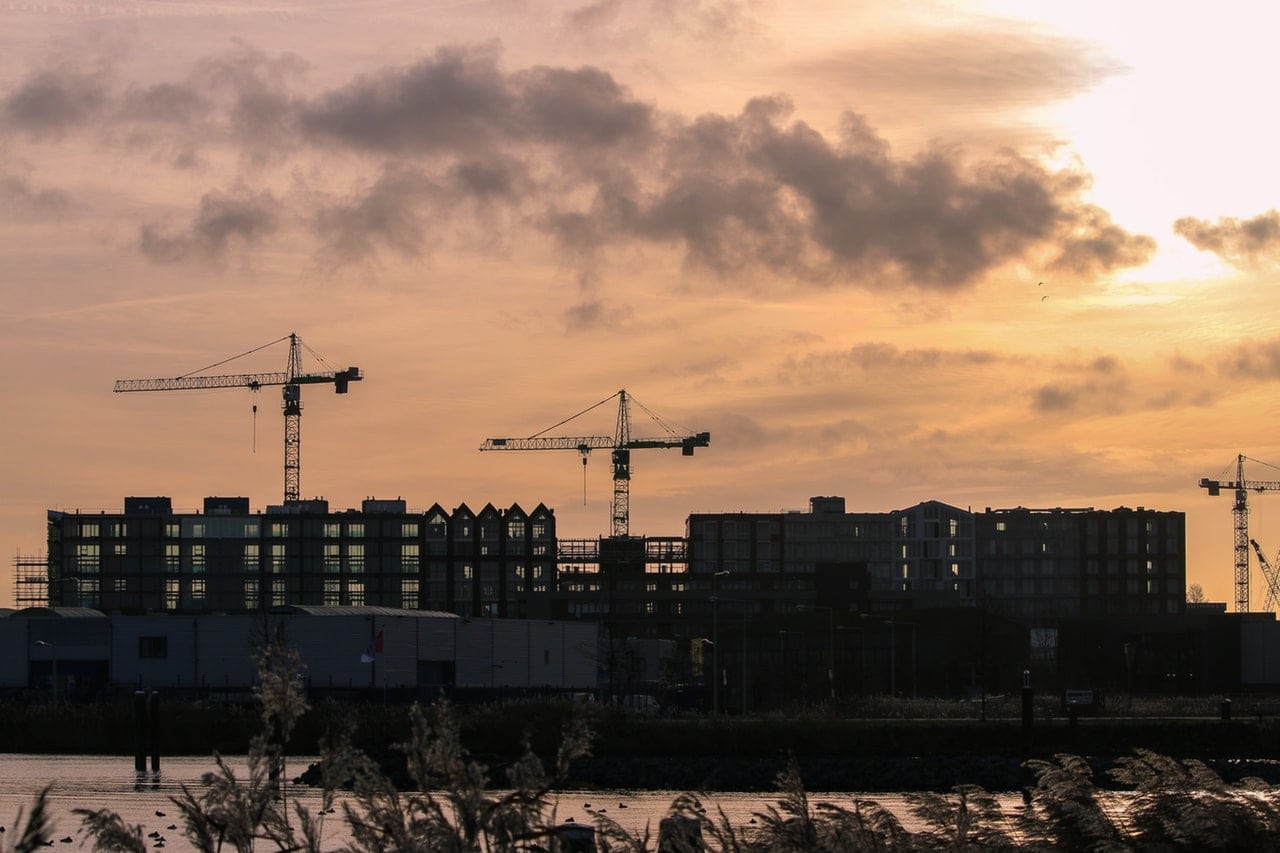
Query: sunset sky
[(989, 253)]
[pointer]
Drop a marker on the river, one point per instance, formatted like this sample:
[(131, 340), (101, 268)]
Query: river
[(96, 782)]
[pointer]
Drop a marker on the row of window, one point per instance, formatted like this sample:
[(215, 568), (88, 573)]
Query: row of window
[(241, 528)]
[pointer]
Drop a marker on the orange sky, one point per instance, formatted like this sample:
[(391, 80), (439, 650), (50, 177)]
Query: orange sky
[(955, 253)]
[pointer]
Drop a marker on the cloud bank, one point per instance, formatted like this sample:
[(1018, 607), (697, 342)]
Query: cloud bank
[(394, 159)]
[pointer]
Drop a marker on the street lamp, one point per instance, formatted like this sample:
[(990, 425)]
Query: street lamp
[(831, 643)]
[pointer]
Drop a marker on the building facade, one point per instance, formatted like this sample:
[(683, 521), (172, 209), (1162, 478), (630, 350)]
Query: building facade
[(342, 650), (227, 559)]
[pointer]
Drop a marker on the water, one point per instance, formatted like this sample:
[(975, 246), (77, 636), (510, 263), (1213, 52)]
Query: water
[(97, 782)]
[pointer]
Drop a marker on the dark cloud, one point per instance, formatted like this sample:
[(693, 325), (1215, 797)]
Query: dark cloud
[(594, 15), (573, 152), (390, 213), (1260, 360), (1050, 398), (166, 103), (223, 221), (19, 199), (594, 313), (458, 100), (54, 101), (1241, 242), (761, 191), (1103, 388), (1091, 244)]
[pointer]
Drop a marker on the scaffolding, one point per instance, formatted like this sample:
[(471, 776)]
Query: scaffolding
[(30, 580)]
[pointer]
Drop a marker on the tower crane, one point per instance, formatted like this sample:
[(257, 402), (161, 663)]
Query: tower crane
[(1273, 580), (292, 380), (1240, 517), (621, 443)]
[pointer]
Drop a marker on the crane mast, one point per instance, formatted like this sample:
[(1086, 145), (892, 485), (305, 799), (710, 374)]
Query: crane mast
[(1240, 522), (291, 380), (621, 443)]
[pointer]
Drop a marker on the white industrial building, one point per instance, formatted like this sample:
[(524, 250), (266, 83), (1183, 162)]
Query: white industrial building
[(346, 649)]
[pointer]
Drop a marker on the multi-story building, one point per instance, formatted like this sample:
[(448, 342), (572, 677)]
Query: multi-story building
[(227, 559), (1041, 565)]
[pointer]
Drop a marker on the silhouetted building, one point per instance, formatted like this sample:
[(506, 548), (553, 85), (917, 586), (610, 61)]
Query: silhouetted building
[(863, 591), (227, 559)]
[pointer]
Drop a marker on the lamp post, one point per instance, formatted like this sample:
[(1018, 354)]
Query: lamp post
[(831, 643)]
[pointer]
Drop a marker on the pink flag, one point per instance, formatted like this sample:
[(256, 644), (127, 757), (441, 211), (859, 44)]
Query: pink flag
[(374, 649)]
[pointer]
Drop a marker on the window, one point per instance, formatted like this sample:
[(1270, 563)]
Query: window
[(153, 648), (117, 530), (251, 594), (277, 593), (198, 530), (1000, 527), (332, 592), (197, 558), (355, 529), (409, 529), (173, 558), (953, 527), (332, 558), (88, 557), (120, 549), (515, 528), (279, 529), (410, 559), (172, 529), (277, 559), (539, 530), (409, 593), (332, 530), (197, 590), (120, 585), (89, 529), (355, 559), (355, 593), (250, 557), (172, 593)]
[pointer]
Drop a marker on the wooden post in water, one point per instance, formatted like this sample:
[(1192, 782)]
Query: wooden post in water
[(140, 731), (153, 730)]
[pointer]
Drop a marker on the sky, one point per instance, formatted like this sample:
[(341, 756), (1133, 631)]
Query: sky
[(990, 253)]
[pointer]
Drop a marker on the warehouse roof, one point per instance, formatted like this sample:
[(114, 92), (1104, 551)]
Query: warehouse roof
[(338, 610)]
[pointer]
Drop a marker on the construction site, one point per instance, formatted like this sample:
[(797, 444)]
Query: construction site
[(738, 610)]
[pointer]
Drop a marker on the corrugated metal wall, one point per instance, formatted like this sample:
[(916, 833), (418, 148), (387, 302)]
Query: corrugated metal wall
[(216, 651)]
